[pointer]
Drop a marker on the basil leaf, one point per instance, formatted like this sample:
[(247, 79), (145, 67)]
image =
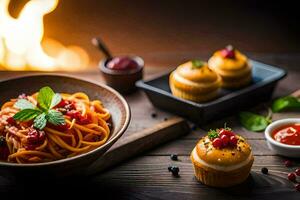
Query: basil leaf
[(45, 97), (55, 100), (284, 103), (40, 121), (26, 114), (254, 122), (24, 104), (55, 117)]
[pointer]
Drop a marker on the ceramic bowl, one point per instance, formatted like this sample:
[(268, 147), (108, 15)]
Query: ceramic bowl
[(122, 80), (112, 100), (280, 148)]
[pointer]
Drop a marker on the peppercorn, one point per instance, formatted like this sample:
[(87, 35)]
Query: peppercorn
[(175, 171), (174, 157), (264, 170), (153, 115)]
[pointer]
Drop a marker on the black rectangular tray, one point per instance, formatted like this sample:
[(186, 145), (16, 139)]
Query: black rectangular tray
[(265, 78)]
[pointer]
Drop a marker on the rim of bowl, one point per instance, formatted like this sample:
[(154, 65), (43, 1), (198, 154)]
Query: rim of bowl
[(138, 59), (276, 124), (111, 140)]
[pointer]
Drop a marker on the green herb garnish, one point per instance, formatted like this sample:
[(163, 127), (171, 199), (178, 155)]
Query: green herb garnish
[(197, 64), (226, 127), (43, 112), (283, 103), (255, 122), (24, 104), (212, 134)]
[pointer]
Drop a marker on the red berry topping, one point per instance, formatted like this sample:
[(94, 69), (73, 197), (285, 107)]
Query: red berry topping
[(226, 132), (11, 121), (297, 172), (297, 187), (288, 163), (228, 52), (225, 140), (122, 63), (292, 176), (233, 141), (217, 143)]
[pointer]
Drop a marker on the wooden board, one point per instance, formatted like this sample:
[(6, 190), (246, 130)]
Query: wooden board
[(138, 142)]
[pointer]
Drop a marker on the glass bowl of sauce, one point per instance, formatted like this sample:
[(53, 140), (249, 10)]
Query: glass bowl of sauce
[(283, 137)]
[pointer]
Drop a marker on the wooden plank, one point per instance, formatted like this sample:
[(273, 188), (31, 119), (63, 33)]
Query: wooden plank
[(153, 179), (139, 142), (147, 177)]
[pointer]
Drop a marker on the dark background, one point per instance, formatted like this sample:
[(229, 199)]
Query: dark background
[(164, 30)]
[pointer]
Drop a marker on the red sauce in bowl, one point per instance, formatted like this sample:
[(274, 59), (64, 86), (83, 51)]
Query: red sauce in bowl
[(122, 63), (288, 134)]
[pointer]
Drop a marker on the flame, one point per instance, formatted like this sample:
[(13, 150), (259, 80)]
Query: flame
[(21, 38)]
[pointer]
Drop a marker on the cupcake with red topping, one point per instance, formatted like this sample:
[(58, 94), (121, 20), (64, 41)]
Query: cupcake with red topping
[(222, 158), (232, 66)]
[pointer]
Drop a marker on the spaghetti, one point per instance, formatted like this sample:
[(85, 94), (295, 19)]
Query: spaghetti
[(85, 128)]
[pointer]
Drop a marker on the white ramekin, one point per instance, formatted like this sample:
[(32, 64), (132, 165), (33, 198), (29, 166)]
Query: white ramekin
[(280, 148)]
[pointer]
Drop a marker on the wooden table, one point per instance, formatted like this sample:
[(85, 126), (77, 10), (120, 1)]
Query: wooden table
[(147, 177)]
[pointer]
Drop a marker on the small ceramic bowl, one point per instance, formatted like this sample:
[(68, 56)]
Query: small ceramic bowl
[(280, 148), (122, 80)]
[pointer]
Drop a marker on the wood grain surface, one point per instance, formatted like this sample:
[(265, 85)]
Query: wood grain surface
[(147, 177)]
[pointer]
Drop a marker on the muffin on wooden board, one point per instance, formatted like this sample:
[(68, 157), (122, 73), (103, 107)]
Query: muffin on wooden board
[(232, 66), (195, 81), (222, 159)]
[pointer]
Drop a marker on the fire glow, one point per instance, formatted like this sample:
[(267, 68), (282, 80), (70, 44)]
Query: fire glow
[(21, 46)]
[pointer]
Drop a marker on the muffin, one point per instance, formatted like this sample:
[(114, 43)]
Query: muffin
[(232, 66), (222, 159), (195, 81)]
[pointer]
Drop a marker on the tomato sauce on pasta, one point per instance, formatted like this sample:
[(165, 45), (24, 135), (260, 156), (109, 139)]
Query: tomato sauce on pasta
[(85, 128)]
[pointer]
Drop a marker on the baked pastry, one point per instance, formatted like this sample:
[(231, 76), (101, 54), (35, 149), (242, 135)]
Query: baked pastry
[(195, 81), (222, 159), (232, 66)]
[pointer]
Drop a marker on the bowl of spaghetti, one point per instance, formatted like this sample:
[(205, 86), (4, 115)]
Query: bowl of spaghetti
[(57, 125)]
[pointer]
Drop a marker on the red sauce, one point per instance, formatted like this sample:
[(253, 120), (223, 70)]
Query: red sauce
[(122, 63), (288, 134)]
